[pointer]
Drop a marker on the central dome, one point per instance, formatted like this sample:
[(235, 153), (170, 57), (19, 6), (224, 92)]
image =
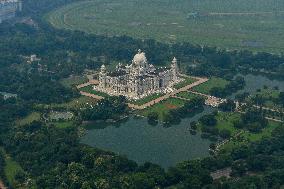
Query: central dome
[(139, 58)]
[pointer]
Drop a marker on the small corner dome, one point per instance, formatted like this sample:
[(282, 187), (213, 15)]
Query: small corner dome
[(103, 67), (139, 58)]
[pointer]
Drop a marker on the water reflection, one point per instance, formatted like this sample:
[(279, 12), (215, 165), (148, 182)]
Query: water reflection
[(142, 142)]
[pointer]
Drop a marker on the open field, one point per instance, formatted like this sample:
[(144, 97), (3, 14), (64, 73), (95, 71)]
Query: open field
[(75, 103), (211, 83), (89, 89), (11, 168), (187, 81), (187, 95), (269, 95), (251, 24), (63, 124), (73, 81), (163, 107), (146, 99), (226, 121), (34, 116)]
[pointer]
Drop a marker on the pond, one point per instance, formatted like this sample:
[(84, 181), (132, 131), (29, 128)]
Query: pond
[(254, 82), (142, 142)]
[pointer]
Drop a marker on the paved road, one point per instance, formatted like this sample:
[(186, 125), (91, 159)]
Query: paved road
[(90, 82), (268, 118), (91, 95)]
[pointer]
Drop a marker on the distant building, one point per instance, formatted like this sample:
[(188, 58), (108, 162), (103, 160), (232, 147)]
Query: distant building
[(9, 8), (139, 79), (32, 58), (8, 95)]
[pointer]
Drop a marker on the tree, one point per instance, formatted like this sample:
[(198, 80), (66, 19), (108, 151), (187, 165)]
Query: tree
[(241, 97), (172, 117), (217, 91), (225, 133), (208, 120), (258, 100), (153, 118), (228, 106), (281, 98), (2, 164), (193, 125), (142, 181), (239, 168)]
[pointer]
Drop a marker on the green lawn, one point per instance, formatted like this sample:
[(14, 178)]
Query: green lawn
[(11, 168), (146, 99), (75, 103), (226, 121), (89, 89), (187, 81), (163, 107), (187, 95), (34, 116), (268, 95), (73, 81), (63, 124), (207, 86), (266, 132), (79, 102), (197, 22)]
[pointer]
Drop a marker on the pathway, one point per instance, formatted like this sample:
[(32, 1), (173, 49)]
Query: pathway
[(91, 95), (268, 118), (266, 108), (90, 82), (2, 186)]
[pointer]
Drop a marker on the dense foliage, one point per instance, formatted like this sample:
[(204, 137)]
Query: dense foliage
[(190, 108), (234, 85), (253, 120), (108, 108)]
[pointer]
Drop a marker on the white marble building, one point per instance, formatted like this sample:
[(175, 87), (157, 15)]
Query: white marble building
[(139, 79)]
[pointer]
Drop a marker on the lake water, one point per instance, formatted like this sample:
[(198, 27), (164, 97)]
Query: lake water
[(142, 142), (254, 82)]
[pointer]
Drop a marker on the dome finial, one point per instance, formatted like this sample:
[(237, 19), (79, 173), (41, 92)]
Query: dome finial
[(139, 51), (103, 68)]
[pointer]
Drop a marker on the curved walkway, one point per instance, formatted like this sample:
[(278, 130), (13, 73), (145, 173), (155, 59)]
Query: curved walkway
[(2, 186), (90, 82)]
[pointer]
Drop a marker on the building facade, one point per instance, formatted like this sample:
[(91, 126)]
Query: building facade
[(139, 79), (9, 8)]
